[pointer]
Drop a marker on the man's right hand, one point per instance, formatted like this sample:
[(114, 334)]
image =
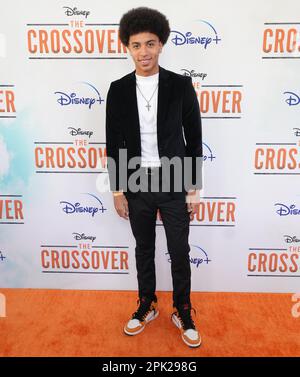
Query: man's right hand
[(121, 206)]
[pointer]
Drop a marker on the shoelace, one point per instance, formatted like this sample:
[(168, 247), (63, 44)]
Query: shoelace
[(144, 309), (185, 318)]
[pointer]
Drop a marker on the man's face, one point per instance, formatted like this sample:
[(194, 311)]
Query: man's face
[(145, 49)]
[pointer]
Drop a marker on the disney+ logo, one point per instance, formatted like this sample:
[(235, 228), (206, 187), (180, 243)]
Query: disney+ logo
[(70, 208), (65, 99), (180, 38)]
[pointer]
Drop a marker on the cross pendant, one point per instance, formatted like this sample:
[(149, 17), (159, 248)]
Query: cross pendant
[(148, 106)]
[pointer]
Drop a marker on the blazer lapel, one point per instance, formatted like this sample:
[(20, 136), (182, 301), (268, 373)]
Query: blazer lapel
[(163, 101), (134, 114)]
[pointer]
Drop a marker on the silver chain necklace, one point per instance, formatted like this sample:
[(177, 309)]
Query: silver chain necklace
[(148, 102)]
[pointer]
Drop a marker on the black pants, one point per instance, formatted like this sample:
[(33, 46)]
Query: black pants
[(175, 217)]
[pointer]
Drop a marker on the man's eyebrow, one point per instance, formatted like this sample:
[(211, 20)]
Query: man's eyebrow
[(151, 40)]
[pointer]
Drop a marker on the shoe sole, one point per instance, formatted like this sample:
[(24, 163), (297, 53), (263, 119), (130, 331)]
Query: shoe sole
[(187, 343), (141, 329)]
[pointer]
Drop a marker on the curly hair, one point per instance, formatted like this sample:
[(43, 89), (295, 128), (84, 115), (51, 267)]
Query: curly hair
[(143, 19)]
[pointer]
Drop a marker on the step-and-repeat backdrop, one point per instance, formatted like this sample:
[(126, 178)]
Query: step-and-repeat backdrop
[(57, 59)]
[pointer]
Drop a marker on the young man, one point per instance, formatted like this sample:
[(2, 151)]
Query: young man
[(153, 114)]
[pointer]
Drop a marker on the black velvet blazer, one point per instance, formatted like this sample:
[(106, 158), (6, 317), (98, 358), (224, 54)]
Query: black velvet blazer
[(179, 131)]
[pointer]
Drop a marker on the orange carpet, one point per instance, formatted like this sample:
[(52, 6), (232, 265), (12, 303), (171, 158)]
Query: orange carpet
[(42, 322)]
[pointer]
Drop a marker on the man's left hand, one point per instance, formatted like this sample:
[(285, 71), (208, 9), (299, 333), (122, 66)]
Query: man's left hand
[(192, 202)]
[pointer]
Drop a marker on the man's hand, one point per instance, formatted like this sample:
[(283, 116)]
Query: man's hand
[(192, 201), (121, 205)]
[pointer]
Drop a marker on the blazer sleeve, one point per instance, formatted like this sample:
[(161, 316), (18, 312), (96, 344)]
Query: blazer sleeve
[(114, 137), (191, 120)]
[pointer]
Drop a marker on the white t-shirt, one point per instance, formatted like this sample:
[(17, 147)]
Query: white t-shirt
[(148, 119)]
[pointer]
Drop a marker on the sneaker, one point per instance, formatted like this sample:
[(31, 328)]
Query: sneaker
[(183, 320), (146, 312)]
